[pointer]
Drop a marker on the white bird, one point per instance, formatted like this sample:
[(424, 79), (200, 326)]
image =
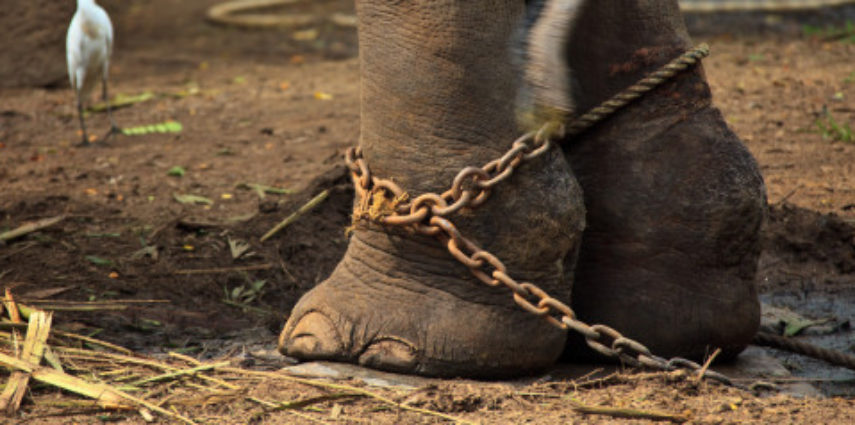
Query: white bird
[(88, 46)]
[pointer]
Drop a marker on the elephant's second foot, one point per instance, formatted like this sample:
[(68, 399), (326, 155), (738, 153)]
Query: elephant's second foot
[(404, 305)]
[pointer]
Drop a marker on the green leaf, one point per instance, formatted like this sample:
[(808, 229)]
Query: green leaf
[(176, 171), (258, 284), (237, 292), (98, 261), (261, 189), (165, 127), (238, 247), (148, 251), (151, 322), (103, 235), (192, 199), (796, 326)]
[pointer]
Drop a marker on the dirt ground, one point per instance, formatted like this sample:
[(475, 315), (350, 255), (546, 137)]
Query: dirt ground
[(277, 108)]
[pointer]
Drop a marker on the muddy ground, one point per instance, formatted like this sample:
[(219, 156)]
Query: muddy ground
[(278, 108)]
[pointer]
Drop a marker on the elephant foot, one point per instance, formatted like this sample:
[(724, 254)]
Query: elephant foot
[(402, 304), (399, 301)]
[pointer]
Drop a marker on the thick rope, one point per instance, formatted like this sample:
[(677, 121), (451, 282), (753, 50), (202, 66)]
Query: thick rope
[(755, 5), (235, 13), (630, 94), (633, 92), (792, 345)]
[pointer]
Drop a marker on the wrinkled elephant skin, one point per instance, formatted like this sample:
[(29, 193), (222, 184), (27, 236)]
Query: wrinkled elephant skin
[(674, 201), (437, 96)]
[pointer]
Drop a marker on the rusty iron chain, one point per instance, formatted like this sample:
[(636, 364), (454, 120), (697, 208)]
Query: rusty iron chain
[(469, 189), (428, 213)]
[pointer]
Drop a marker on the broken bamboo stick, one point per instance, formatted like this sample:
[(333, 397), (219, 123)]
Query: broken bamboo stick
[(308, 206), (30, 228)]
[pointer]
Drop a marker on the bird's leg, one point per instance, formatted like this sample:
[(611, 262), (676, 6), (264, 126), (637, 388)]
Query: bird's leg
[(85, 141), (105, 95)]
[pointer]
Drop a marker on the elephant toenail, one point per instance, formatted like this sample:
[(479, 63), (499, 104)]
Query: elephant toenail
[(390, 354), (314, 337)]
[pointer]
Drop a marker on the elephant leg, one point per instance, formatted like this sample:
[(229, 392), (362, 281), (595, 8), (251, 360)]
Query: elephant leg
[(674, 200), (437, 96)]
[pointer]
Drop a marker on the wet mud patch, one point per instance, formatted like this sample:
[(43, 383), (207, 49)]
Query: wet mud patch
[(807, 283)]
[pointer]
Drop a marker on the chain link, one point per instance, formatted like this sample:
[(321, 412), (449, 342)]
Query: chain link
[(428, 214), (470, 188)]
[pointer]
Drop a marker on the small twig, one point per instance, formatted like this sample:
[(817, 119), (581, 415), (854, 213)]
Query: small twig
[(286, 272), (226, 269), (27, 310), (11, 307), (789, 195), (299, 404), (614, 376), (52, 359), (93, 303), (93, 341), (308, 206), (626, 413), (167, 399), (157, 391), (193, 361), (24, 246), (30, 228), (153, 407), (150, 237), (274, 407), (104, 307), (184, 357), (117, 357), (348, 388), (217, 391), (178, 373), (210, 396), (258, 310), (115, 372), (68, 356), (140, 361), (533, 394), (587, 377), (703, 370)]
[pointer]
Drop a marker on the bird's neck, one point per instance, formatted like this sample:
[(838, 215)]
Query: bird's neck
[(83, 4)]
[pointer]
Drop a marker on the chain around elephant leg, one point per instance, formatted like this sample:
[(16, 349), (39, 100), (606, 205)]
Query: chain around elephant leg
[(384, 202)]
